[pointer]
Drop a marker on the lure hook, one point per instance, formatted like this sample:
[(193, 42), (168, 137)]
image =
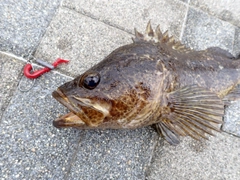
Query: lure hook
[(48, 67)]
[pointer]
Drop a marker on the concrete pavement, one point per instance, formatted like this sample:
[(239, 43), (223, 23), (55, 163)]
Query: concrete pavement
[(85, 32)]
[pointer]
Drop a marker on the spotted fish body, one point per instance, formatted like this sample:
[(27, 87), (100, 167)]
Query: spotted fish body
[(153, 81)]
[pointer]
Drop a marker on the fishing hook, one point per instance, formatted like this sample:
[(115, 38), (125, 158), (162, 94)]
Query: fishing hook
[(48, 67)]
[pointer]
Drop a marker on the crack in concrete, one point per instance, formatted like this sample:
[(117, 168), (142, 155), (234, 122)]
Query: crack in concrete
[(10, 95), (88, 14), (229, 133), (157, 140), (73, 160), (184, 22)]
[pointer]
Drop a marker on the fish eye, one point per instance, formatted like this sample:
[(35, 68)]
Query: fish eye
[(90, 80)]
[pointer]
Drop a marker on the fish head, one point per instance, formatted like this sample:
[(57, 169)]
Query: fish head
[(85, 103), (118, 92)]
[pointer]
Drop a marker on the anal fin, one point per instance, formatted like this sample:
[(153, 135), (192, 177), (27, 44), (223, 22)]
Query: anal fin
[(192, 111)]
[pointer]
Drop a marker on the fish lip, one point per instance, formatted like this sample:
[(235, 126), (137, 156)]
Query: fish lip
[(63, 99), (68, 120), (59, 123)]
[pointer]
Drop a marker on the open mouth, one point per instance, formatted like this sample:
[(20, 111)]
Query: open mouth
[(77, 116), (70, 119)]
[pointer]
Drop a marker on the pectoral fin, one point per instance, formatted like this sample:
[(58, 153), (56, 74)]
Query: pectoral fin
[(192, 111)]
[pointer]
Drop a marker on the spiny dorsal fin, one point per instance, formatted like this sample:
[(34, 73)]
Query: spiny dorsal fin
[(159, 37), (192, 111), (138, 35), (158, 33), (149, 30), (165, 37)]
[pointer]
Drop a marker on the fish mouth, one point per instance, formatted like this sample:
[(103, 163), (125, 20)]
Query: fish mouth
[(63, 99), (70, 119), (76, 105)]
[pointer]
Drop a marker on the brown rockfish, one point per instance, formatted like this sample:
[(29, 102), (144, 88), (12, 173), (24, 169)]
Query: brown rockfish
[(153, 81)]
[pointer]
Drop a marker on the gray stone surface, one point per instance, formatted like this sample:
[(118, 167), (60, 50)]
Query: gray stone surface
[(232, 119), (203, 31), (109, 154), (216, 159), (30, 147), (10, 71), (82, 40), (126, 15), (23, 23), (223, 9)]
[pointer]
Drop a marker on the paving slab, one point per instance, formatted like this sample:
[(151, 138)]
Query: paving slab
[(223, 9), (232, 119), (82, 40), (10, 71), (203, 31), (126, 15), (114, 154), (30, 147), (216, 159), (23, 23)]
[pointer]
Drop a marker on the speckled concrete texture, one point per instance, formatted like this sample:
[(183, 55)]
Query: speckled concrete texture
[(203, 31), (127, 15), (232, 119), (114, 154), (226, 10), (10, 71), (82, 40), (30, 147), (85, 32), (23, 23), (216, 159)]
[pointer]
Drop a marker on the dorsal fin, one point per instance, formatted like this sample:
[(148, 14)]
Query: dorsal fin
[(158, 37), (149, 30)]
